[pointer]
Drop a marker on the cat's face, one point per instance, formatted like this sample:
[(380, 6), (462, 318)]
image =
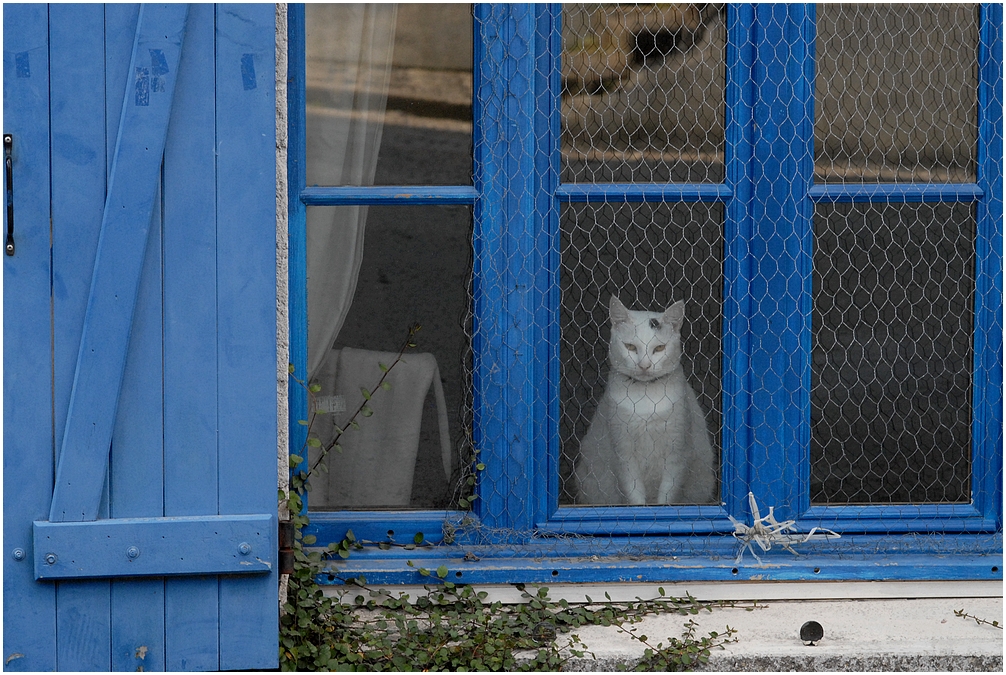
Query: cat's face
[(645, 345)]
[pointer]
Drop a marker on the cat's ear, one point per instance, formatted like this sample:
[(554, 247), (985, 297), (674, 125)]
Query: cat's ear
[(617, 311), (674, 316)]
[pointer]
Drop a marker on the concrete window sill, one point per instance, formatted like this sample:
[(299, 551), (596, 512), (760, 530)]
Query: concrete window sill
[(868, 626)]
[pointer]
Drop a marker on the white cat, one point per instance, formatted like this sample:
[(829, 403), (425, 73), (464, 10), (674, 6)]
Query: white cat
[(648, 442)]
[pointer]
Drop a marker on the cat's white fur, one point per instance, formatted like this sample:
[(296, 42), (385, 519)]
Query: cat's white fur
[(648, 442)]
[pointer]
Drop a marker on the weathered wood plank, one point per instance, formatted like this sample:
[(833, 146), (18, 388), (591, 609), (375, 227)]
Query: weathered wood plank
[(124, 547), (77, 114), (135, 476), (27, 402), (190, 329), (246, 306)]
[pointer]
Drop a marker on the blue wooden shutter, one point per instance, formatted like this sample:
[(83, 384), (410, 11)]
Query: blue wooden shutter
[(139, 338)]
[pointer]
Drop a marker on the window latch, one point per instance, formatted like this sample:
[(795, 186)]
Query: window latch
[(8, 144)]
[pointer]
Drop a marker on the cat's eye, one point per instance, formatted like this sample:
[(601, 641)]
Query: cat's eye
[(659, 348), (631, 348)]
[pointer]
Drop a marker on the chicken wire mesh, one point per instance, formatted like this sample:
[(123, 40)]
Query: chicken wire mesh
[(649, 256), (896, 92), (880, 294), (892, 284), (896, 99), (891, 379), (643, 92)]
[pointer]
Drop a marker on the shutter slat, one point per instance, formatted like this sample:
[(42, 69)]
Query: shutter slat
[(190, 334), (246, 309), (27, 421), (77, 114)]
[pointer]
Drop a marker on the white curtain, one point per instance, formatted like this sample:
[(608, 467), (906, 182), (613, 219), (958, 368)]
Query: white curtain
[(348, 51)]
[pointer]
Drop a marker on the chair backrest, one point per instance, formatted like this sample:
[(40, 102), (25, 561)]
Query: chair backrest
[(376, 466)]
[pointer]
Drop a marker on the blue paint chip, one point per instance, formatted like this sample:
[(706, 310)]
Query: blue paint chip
[(158, 67), (248, 71), (158, 64), (22, 65), (142, 87)]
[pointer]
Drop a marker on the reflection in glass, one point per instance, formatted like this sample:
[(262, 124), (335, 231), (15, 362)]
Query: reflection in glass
[(896, 92), (650, 256), (643, 92), (416, 269), (389, 88)]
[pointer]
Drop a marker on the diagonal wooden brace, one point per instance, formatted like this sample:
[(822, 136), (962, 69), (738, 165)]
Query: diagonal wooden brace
[(132, 190)]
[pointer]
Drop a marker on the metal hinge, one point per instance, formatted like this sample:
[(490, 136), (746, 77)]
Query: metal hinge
[(286, 538)]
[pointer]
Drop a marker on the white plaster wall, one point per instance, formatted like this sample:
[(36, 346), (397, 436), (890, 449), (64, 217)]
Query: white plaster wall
[(282, 258), (282, 287)]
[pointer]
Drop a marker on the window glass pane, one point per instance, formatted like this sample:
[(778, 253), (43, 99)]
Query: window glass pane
[(415, 267), (650, 256), (643, 92), (389, 94), (892, 357), (896, 92)]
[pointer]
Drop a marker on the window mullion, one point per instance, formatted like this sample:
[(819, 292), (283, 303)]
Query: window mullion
[(507, 291), (780, 254)]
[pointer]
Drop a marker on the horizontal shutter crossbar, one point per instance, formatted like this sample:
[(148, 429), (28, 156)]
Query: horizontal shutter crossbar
[(143, 547)]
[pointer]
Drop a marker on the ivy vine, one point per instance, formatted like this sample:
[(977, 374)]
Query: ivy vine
[(450, 626)]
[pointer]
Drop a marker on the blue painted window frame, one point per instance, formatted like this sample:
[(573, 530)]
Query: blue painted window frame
[(516, 199)]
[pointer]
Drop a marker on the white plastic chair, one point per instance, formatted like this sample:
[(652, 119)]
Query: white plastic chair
[(377, 464)]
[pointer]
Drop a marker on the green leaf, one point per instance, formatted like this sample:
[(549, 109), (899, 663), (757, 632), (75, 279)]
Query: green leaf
[(480, 467), (302, 423), (295, 460), (383, 367), (442, 571), (424, 572), (314, 388), (366, 394), (354, 424), (386, 386), (314, 442), (418, 538), (310, 539), (350, 537), (290, 368), (366, 411)]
